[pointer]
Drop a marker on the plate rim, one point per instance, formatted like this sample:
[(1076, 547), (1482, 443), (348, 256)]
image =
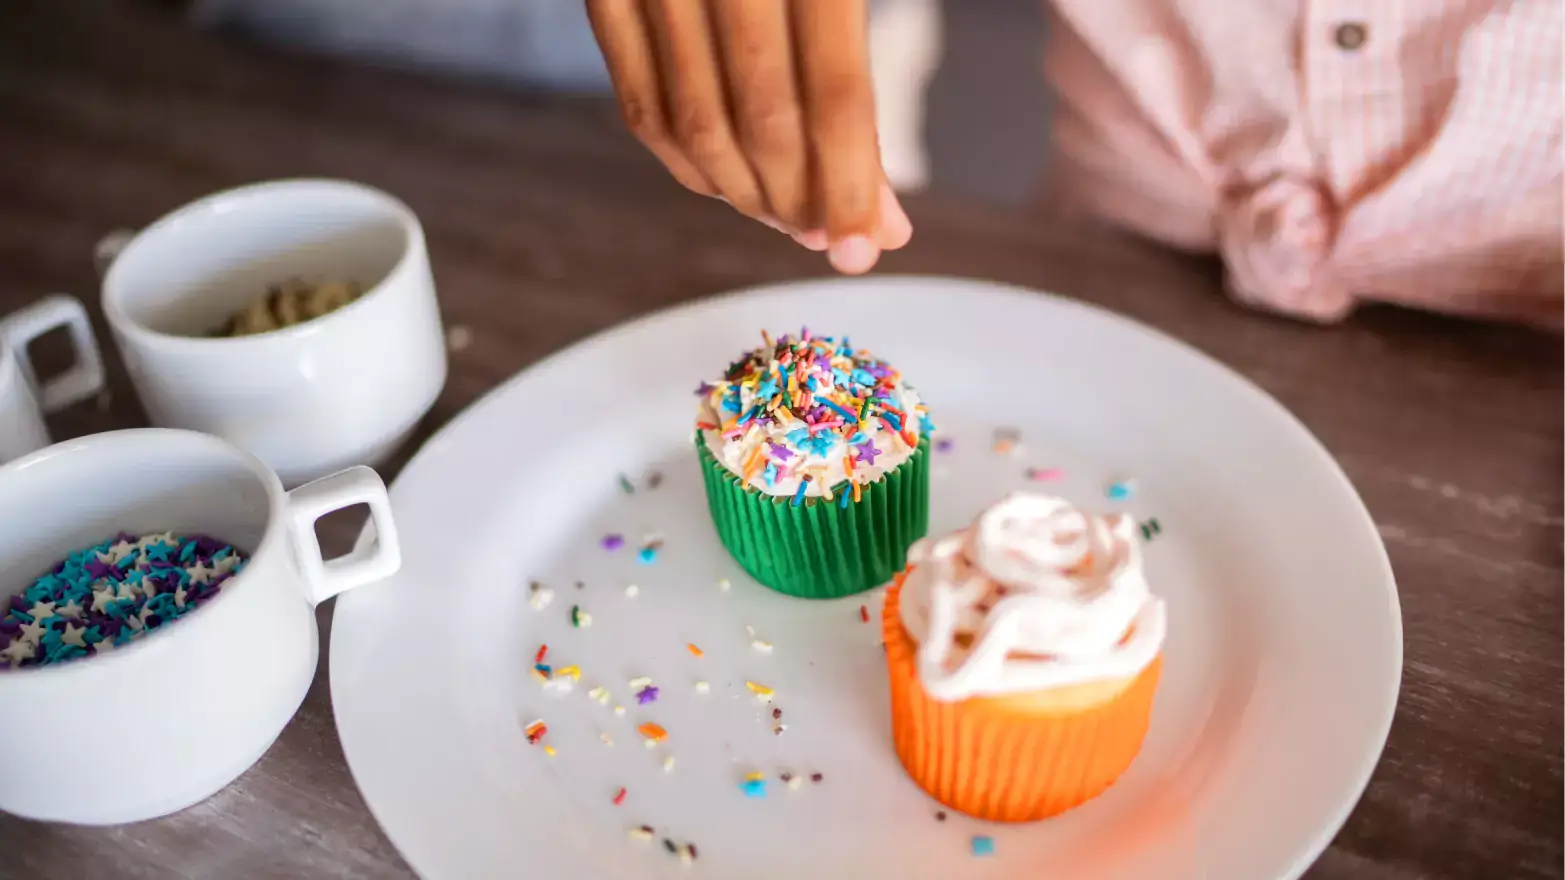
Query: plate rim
[(1327, 829)]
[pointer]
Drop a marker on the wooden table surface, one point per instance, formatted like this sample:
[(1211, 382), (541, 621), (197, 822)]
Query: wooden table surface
[(547, 224)]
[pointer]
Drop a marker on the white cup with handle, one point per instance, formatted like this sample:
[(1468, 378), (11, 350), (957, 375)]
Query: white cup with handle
[(23, 398), (341, 389), (165, 720)]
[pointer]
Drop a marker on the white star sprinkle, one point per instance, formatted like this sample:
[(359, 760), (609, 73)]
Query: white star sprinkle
[(116, 553), (102, 597), (32, 632), (200, 573), (70, 609), (149, 540), (18, 651), (103, 646), (72, 635), (41, 610)]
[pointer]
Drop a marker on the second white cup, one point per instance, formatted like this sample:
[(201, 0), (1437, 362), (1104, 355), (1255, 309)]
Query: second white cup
[(342, 389), (23, 398)]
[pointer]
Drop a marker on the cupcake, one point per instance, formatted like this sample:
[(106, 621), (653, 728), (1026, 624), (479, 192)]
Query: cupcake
[(1024, 652), (816, 464)]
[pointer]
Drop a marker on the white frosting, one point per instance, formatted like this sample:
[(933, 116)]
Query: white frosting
[(825, 467), (1049, 596)]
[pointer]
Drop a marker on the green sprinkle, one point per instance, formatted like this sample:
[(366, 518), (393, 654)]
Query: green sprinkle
[(626, 486), (1150, 529)]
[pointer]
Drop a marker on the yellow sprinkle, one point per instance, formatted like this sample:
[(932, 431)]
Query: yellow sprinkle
[(599, 694), (548, 750), (754, 777), (694, 650), (619, 710), (761, 691), (637, 684), (761, 645), (702, 687), (571, 672), (668, 764), (724, 585)]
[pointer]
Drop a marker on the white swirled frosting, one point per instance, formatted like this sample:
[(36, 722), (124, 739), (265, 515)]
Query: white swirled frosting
[(1035, 594)]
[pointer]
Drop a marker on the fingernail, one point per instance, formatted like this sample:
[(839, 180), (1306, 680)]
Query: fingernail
[(854, 255), (814, 239)]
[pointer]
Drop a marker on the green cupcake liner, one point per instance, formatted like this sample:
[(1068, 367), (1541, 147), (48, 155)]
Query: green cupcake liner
[(821, 549)]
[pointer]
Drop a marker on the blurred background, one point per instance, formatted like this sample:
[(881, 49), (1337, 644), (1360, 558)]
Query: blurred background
[(943, 69)]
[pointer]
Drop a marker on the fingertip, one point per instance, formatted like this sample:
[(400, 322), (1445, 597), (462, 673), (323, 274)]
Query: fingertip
[(854, 255)]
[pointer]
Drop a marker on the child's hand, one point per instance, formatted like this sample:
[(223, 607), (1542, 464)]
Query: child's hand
[(766, 104)]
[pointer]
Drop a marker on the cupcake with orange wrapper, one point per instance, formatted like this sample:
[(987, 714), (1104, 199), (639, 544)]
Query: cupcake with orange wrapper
[(1024, 652), (815, 456)]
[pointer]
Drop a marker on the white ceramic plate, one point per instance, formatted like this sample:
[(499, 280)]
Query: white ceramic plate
[(1282, 663)]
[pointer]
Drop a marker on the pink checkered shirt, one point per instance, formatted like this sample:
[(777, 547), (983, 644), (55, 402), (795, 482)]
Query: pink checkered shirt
[(1330, 150)]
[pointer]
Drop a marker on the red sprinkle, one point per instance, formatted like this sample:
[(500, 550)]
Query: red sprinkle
[(863, 614), (619, 798), (542, 651)]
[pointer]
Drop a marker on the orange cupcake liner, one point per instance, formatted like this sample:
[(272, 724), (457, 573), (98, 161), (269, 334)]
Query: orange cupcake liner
[(1008, 759)]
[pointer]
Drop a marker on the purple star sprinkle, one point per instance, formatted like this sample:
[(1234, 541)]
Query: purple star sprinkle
[(100, 570), (778, 451), (866, 453), (944, 445), (613, 542), (646, 695)]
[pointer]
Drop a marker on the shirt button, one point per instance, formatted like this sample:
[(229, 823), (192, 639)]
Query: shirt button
[(1351, 35)]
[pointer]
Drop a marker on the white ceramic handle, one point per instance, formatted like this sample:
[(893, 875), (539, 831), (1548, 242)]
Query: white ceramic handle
[(81, 381), (308, 503), (108, 248)]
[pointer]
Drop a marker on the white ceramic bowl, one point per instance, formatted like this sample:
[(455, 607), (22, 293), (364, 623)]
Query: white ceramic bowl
[(343, 389), (164, 721)]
